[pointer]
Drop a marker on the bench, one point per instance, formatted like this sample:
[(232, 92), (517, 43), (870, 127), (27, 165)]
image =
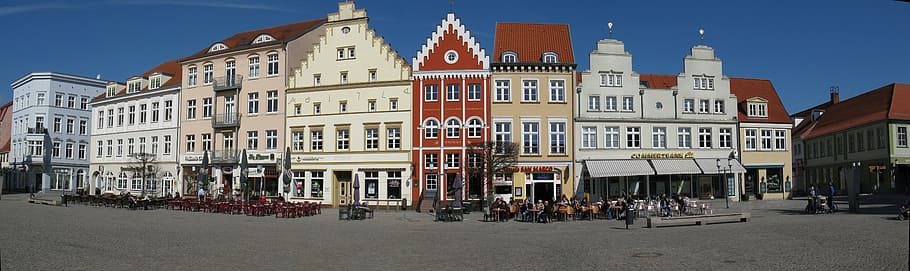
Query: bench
[(654, 222)]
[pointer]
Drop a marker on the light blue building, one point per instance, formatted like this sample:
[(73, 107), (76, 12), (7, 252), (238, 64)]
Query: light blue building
[(59, 103)]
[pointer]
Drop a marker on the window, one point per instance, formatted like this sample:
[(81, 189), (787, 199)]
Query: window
[(718, 106), (130, 146), (167, 144), (119, 147), (253, 102), (344, 139), (475, 160), (132, 115), (168, 110), (372, 138), (659, 137), (475, 128), (503, 132), (451, 57), (316, 180), (71, 102), (431, 129), (633, 137), (509, 57), (110, 148), (83, 127), (155, 112), (142, 145), (684, 137), (550, 57), (136, 182), (703, 106), (371, 183), (252, 140), (272, 101), (688, 105), (431, 93), (393, 183), (271, 139), (611, 79), (758, 110), (453, 160), (83, 104), (530, 133), (902, 136), (39, 122), (206, 107), (453, 128), (155, 82), (594, 103), (726, 138), (453, 92), (317, 108), (343, 77), (371, 105), (99, 148), (432, 181), (766, 140), (83, 151), (58, 102), (296, 137), (273, 64), (207, 76), (191, 72), (851, 142), (143, 113), (121, 181), (58, 122), (431, 160), (393, 104), (503, 91), (751, 138), (703, 82), (780, 140), (343, 106), (558, 138), (69, 150), (529, 90), (70, 126), (371, 74), (610, 103), (316, 140), (317, 79), (394, 138), (191, 109), (628, 103), (860, 142), (589, 137), (474, 92), (704, 137), (206, 142), (870, 139), (880, 134), (100, 122), (254, 67), (41, 98)]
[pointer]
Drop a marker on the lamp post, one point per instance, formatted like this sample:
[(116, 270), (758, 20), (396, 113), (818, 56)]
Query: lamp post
[(852, 188), (725, 168)]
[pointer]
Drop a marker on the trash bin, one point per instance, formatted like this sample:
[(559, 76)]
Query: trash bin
[(630, 216), (404, 204)]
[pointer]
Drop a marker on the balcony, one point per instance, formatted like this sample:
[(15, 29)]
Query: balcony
[(226, 120), (227, 156), (37, 131), (227, 83)]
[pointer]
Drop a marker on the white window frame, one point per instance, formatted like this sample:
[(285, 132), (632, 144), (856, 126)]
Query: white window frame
[(628, 103), (529, 90), (610, 79), (254, 66), (633, 137), (453, 92), (725, 138), (431, 93), (684, 137), (558, 145), (750, 136), (453, 128), (530, 137), (503, 91), (593, 103), (431, 128), (588, 137), (558, 91), (659, 138), (474, 93), (704, 138), (371, 138)]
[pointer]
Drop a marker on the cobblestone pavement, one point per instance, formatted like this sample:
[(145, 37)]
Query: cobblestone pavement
[(779, 237)]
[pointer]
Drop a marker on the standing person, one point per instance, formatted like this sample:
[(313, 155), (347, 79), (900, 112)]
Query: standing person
[(813, 194), (831, 191), (201, 194)]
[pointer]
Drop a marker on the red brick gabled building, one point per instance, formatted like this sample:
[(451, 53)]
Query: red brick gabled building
[(451, 111)]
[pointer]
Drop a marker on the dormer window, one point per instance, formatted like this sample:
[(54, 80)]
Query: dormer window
[(111, 90), (217, 47), (758, 108), (155, 82), (550, 57), (133, 86), (509, 57), (263, 38), (703, 82)]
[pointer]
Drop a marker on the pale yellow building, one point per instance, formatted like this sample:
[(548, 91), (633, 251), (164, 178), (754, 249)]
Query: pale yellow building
[(764, 136)]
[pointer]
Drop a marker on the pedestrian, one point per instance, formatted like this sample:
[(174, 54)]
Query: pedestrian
[(201, 194), (813, 195), (831, 191)]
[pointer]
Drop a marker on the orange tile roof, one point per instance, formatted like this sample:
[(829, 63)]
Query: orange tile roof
[(530, 41), (658, 81), (745, 88), (6, 113), (170, 68), (281, 33), (884, 103)]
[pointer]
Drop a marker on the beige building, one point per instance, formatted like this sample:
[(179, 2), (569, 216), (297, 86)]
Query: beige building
[(764, 136), (533, 93), (350, 117), (233, 98)]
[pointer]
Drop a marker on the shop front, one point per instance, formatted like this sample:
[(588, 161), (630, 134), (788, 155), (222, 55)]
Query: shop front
[(640, 178), (533, 182)]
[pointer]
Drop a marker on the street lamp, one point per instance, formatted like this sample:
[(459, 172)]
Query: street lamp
[(725, 168)]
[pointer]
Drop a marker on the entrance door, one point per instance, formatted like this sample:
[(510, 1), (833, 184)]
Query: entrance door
[(544, 191), (344, 189), (229, 109), (227, 182)]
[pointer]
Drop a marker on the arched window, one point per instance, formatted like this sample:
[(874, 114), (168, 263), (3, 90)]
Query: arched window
[(475, 128), (453, 128), (509, 57), (121, 181), (263, 38), (217, 47), (550, 57), (431, 128), (167, 183), (109, 181), (136, 183), (80, 179)]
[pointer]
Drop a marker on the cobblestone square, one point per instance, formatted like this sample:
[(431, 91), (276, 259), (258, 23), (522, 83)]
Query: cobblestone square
[(779, 237)]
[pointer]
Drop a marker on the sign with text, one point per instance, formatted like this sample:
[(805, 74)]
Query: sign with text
[(652, 155)]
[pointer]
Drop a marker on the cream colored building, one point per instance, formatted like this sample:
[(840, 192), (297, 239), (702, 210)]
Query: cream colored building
[(764, 136), (350, 116), (233, 99)]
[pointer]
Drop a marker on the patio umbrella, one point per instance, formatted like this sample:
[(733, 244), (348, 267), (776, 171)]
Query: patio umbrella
[(457, 187), (47, 159), (356, 189), (202, 177), (287, 170), (244, 173)]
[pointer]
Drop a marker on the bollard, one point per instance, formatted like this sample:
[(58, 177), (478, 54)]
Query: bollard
[(63, 198), (630, 217)]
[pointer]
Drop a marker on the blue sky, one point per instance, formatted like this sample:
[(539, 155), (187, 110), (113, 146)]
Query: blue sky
[(804, 47)]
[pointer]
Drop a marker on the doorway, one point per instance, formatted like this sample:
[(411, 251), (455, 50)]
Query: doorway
[(344, 188), (544, 191)]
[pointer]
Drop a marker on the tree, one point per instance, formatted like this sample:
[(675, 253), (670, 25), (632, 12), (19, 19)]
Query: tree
[(146, 165), (490, 158)]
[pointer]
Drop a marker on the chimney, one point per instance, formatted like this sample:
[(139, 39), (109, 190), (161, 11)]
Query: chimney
[(98, 76), (835, 94)]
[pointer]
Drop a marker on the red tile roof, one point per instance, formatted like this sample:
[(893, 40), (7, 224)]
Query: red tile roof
[(884, 103), (745, 89), (658, 81), (281, 33), (6, 115), (530, 41), (170, 68)]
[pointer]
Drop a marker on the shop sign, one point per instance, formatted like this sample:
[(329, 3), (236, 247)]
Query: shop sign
[(301, 158), (192, 157), (653, 155), (259, 157), (531, 169), (875, 168)]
